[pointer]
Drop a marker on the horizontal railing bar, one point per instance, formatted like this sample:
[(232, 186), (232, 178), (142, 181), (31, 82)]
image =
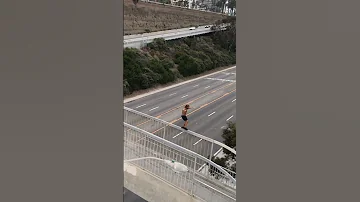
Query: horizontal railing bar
[(215, 189), (182, 149)]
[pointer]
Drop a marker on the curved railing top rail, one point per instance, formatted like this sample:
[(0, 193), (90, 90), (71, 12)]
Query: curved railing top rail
[(179, 128), (184, 150)]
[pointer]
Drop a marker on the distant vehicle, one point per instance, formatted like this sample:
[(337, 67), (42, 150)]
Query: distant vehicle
[(207, 26), (191, 28)]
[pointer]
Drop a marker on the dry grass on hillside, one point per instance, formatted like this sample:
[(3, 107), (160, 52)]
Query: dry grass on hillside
[(154, 17)]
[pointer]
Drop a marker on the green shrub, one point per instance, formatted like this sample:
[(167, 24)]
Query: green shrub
[(161, 62)]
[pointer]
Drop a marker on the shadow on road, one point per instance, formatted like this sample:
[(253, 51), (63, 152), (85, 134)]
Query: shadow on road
[(132, 197)]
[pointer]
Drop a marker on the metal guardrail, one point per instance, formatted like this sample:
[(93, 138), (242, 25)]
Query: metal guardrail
[(204, 186)]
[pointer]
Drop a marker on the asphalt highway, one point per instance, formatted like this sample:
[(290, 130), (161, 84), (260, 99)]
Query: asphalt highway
[(212, 100)]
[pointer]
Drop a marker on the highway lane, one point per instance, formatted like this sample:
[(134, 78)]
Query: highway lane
[(202, 89), (213, 102), (208, 121), (213, 117)]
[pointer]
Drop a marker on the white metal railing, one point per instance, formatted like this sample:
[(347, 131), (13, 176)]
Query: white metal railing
[(207, 147), (208, 187), (166, 125)]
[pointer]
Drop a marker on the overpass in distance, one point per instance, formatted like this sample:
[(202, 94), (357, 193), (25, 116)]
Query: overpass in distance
[(140, 40)]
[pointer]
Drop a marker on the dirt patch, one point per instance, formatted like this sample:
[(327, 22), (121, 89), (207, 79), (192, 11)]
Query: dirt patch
[(154, 17)]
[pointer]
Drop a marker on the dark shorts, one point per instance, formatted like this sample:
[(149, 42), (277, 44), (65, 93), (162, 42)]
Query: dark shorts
[(184, 118)]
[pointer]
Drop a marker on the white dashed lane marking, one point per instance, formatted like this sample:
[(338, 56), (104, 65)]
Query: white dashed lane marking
[(223, 127), (177, 135), (207, 87), (196, 85), (140, 106), (153, 109), (211, 114), (197, 142), (229, 117), (184, 96), (233, 100), (172, 94)]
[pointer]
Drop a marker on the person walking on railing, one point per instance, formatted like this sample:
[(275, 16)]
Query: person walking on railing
[(184, 117)]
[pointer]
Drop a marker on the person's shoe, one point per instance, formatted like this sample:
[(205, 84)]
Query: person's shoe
[(185, 128)]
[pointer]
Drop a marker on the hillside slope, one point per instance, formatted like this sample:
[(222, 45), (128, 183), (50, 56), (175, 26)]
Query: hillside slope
[(154, 17)]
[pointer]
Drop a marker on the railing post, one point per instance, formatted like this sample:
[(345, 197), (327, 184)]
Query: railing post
[(193, 178), (125, 116), (211, 150), (164, 131)]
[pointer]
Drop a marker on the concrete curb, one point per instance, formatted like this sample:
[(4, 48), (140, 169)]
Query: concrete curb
[(172, 86)]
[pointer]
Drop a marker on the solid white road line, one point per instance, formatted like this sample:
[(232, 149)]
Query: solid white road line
[(172, 94), (227, 73), (153, 109), (229, 117), (184, 96), (197, 142), (140, 106), (234, 100), (221, 79), (211, 114), (207, 87), (177, 135)]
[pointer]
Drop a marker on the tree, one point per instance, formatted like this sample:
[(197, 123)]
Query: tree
[(197, 3), (186, 3), (193, 4), (232, 6), (226, 39), (229, 135), (221, 5), (135, 2), (183, 3), (161, 62), (165, 1)]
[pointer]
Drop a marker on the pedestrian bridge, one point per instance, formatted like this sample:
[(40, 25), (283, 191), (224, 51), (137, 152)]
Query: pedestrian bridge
[(159, 167)]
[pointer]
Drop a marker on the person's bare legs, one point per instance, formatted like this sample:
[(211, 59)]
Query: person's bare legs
[(185, 124)]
